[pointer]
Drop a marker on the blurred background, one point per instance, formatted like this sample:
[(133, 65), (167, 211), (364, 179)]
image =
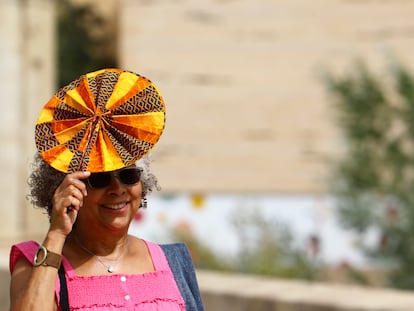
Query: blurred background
[(288, 148)]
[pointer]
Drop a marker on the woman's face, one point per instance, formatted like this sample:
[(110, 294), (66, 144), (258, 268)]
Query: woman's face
[(111, 208)]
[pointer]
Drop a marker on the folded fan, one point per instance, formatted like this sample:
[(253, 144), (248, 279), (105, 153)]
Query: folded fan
[(103, 121)]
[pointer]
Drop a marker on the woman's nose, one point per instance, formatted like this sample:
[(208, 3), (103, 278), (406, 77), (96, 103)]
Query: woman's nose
[(116, 186)]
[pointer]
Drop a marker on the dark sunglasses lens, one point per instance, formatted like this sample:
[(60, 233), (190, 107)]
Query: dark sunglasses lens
[(99, 180), (130, 176)]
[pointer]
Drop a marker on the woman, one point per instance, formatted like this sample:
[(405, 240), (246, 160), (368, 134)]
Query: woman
[(104, 268)]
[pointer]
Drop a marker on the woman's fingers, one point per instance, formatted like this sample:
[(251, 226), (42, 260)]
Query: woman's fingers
[(67, 200), (73, 200), (76, 180), (72, 214)]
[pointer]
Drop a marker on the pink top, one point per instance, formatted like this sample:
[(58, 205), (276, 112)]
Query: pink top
[(150, 291)]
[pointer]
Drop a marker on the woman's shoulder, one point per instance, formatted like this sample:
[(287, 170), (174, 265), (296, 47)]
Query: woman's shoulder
[(169, 249), (175, 246), (169, 256)]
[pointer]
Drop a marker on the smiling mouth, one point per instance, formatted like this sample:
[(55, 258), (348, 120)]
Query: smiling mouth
[(115, 206)]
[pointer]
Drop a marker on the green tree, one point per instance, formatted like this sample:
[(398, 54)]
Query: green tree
[(86, 41), (374, 180)]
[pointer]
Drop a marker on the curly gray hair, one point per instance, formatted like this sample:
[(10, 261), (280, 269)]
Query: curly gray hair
[(44, 180)]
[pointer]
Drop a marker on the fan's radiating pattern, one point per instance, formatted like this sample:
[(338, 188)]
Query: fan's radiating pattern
[(103, 121)]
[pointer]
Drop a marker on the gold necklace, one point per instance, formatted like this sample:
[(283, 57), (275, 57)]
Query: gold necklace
[(109, 268)]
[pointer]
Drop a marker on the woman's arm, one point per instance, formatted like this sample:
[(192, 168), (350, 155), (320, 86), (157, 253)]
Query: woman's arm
[(33, 288)]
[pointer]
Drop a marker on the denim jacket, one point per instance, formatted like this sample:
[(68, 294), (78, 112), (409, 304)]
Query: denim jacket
[(181, 265)]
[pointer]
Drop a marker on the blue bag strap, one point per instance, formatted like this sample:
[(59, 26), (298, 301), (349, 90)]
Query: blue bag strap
[(181, 265)]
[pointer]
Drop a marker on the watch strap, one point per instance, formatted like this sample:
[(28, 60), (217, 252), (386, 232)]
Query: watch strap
[(44, 257)]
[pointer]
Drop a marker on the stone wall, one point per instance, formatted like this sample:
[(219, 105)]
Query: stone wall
[(26, 83), (246, 108), (246, 111)]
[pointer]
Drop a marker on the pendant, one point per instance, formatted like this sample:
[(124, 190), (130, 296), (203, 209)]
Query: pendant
[(111, 269)]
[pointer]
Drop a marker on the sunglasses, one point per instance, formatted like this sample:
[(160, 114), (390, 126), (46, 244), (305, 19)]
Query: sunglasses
[(128, 176)]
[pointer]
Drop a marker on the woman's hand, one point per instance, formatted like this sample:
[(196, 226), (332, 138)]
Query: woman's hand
[(67, 200)]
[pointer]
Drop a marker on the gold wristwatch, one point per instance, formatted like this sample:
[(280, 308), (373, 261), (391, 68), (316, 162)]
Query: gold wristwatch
[(44, 257)]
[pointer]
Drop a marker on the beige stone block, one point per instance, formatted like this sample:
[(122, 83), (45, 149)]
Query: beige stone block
[(26, 83), (242, 82), (10, 51)]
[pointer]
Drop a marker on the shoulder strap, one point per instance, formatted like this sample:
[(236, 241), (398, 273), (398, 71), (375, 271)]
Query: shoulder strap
[(64, 297), (158, 256), (181, 265)]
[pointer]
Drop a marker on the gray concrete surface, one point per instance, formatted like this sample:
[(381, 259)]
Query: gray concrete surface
[(222, 292)]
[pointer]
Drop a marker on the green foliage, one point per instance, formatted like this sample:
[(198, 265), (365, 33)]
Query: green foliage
[(203, 256), (85, 43), (374, 180), (268, 248)]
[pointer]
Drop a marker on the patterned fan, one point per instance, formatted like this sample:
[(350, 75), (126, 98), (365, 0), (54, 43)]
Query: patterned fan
[(103, 121)]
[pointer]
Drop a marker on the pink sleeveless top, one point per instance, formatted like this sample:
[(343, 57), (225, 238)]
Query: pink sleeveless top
[(150, 291)]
